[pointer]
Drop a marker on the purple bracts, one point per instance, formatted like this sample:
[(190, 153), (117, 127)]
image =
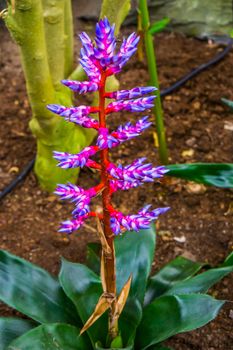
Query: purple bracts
[(132, 93), (82, 87), (67, 160), (137, 171), (123, 133), (135, 222), (99, 60), (72, 225), (67, 112), (137, 105), (69, 191)]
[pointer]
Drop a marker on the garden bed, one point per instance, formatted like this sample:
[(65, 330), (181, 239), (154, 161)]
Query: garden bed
[(199, 224)]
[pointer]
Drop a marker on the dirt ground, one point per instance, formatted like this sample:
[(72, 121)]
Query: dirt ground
[(198, 131)]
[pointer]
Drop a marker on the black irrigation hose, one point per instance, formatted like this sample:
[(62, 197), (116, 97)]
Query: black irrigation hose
[(198, 70), (163, 93)]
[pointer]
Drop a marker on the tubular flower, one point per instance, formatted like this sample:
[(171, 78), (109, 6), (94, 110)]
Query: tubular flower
[(99, 61), (82, 87), (123, 133), (67, 160), (138, 105), (137, 171), (132, 93), (134, 222)]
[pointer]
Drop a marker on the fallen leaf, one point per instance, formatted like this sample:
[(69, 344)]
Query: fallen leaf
[(181, 239), (14, 169), (195, 188), (228, 126), (156, 141), (187, 153)]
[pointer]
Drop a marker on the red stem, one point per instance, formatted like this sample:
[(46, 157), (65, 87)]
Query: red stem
[(109, 260)]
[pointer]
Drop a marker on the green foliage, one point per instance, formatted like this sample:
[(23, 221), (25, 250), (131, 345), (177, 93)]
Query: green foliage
[(11, 328), (115, 11), (44, 32), (159, 26), (33, 291), (169, 315), (51, 337), (228, 103), (175, 271), (173, 299), (215, 174), (84, 288)]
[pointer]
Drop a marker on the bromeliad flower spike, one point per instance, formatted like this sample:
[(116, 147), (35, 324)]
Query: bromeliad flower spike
[(100, 61)]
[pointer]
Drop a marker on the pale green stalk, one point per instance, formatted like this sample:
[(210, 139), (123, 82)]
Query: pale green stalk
[(152, 68), (26, 25), (69, 38)]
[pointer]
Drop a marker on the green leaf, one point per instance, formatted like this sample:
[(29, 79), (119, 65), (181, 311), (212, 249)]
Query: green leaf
[(176, 270), (200, 283), (228, 103), (93, 256), (33, 291), (98, 346), (52, 337), (229, 260), (11, 328), (215, 174), (159, 347), (134, 255), (173, 314), (159, 26), (84, 288)]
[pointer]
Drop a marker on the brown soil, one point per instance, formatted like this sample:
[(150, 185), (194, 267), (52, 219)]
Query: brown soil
[(195, 120)]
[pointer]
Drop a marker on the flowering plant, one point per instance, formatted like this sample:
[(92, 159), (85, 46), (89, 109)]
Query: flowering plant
[(142, 311)]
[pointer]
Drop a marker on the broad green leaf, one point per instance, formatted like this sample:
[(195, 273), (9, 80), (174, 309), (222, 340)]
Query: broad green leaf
[(99, 347), (228, 103), (93, 256), (159, 347), (175, 271), (200, 283), (159, 26), (173, 314), (11, 328), (134, 255), (84, 288), (229, 260), (52, 337), (33, 291), (215, 174)]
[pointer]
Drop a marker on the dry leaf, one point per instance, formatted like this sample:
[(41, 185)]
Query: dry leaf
[(187, 153), (181, 239), (107, 250), (195, 188), (228, 125), (156, 141), (14, 169), (103, 304), (122, 298), (102, 273)]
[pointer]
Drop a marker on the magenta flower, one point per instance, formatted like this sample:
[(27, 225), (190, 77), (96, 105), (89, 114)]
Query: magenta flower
[(100, 60)]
